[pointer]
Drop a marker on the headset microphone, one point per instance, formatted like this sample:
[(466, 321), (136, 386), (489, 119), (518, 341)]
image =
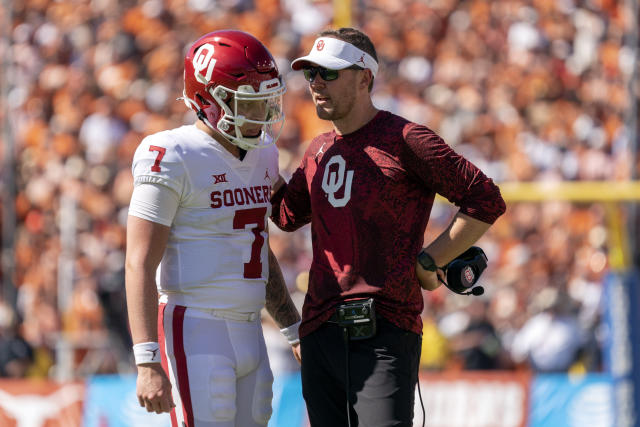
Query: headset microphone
[(477, 291)]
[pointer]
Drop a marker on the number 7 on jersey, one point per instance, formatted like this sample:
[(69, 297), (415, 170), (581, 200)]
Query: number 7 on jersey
[(255, 216), (161, 151)]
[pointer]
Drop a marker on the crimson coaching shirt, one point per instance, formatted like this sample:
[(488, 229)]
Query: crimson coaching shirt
[(368, 196)]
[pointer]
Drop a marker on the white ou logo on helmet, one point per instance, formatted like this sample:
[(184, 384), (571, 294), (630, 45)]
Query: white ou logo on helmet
[(333, 181), (202, 60)]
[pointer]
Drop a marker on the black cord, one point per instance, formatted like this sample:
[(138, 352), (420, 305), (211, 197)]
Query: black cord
[(424, 415), (345, 336)]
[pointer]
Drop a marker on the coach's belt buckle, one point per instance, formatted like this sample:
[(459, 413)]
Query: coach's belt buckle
[(232, 315)]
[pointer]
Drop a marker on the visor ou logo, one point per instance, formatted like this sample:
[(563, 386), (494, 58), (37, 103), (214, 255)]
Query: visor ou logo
[(334, 181), (320, 45)]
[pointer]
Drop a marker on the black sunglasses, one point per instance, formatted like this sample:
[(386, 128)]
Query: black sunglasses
[(327, 74)]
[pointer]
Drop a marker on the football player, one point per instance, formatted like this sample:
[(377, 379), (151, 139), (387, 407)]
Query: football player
[(198, 264)]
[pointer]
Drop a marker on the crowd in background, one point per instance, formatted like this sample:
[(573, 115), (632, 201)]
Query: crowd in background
[(529, 90)]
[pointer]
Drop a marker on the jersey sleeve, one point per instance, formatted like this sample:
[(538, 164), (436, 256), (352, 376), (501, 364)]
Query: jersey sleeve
[(449, 174), (157, 161), (155, 203)]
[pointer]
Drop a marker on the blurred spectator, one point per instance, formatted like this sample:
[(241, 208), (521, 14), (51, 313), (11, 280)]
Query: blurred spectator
[(478, 345), (552, 339), (16, 355)]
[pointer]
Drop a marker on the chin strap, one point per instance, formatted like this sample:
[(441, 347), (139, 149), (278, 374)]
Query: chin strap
[(245, 143)]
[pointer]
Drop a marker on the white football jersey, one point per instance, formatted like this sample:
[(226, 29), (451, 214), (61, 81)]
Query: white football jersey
[(217, 255)]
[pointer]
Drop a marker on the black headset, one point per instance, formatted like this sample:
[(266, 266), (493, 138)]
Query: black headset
[(464, 271)]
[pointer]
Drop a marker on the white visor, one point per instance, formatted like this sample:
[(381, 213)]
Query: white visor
[(335, 54)]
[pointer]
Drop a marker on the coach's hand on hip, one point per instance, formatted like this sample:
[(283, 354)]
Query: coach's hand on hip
[(429, 279), (154, 388)]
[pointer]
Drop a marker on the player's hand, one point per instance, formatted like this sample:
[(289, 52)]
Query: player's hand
[(429, 279), (296, 352), (153, 388)]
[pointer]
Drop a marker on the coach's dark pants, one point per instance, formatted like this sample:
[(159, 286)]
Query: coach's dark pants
[(383, 372)]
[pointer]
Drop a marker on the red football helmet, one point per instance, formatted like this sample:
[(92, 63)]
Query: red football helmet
[(231, 80)]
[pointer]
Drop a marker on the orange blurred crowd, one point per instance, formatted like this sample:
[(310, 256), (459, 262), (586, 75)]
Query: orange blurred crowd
[(527, 90)]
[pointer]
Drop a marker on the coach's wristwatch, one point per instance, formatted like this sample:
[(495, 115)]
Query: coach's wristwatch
[(426, 261)]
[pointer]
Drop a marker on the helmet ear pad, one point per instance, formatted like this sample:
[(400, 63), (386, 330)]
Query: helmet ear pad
[(213, 113)]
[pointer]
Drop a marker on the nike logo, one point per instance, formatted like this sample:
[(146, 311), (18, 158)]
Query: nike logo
[(320, 151), (153, 352)]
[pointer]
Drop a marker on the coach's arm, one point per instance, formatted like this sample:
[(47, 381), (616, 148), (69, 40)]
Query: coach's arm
[(462, 232)]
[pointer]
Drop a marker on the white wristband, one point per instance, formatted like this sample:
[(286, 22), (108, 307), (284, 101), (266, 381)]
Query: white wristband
[(291, 333), (146, 352)]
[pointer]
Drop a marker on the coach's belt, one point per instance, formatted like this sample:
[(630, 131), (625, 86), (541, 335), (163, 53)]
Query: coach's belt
[(333, 318), (227, 314)]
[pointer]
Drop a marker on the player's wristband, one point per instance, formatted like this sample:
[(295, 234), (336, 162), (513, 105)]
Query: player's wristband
[(146, 352), (291, 333)]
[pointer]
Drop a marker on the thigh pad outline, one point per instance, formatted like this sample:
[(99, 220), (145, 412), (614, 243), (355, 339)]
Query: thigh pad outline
[(212, 382)]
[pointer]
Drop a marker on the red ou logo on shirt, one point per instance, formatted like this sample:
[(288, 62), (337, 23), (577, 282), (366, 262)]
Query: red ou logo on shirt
[(320, 45)]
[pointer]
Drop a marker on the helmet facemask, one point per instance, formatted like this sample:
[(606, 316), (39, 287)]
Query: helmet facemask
[(244, 106)]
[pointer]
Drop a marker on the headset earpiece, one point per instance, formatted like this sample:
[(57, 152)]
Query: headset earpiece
[(464, 271)]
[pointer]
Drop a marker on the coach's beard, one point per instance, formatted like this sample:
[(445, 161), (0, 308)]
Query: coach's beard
[(326, 109), (324, 113)]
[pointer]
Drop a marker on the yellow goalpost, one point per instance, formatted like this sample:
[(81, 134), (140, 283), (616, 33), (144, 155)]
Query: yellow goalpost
[(609, 193), (571, 191)]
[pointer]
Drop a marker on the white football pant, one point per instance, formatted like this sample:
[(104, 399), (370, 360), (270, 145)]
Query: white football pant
[(218, 367)]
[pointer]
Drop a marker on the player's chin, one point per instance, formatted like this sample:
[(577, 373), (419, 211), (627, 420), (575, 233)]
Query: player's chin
[(252, 133)]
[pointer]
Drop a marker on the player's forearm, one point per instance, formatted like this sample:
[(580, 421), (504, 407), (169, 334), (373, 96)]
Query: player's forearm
[(142, 304), (463, 232), (146, 242), (278, 303)]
